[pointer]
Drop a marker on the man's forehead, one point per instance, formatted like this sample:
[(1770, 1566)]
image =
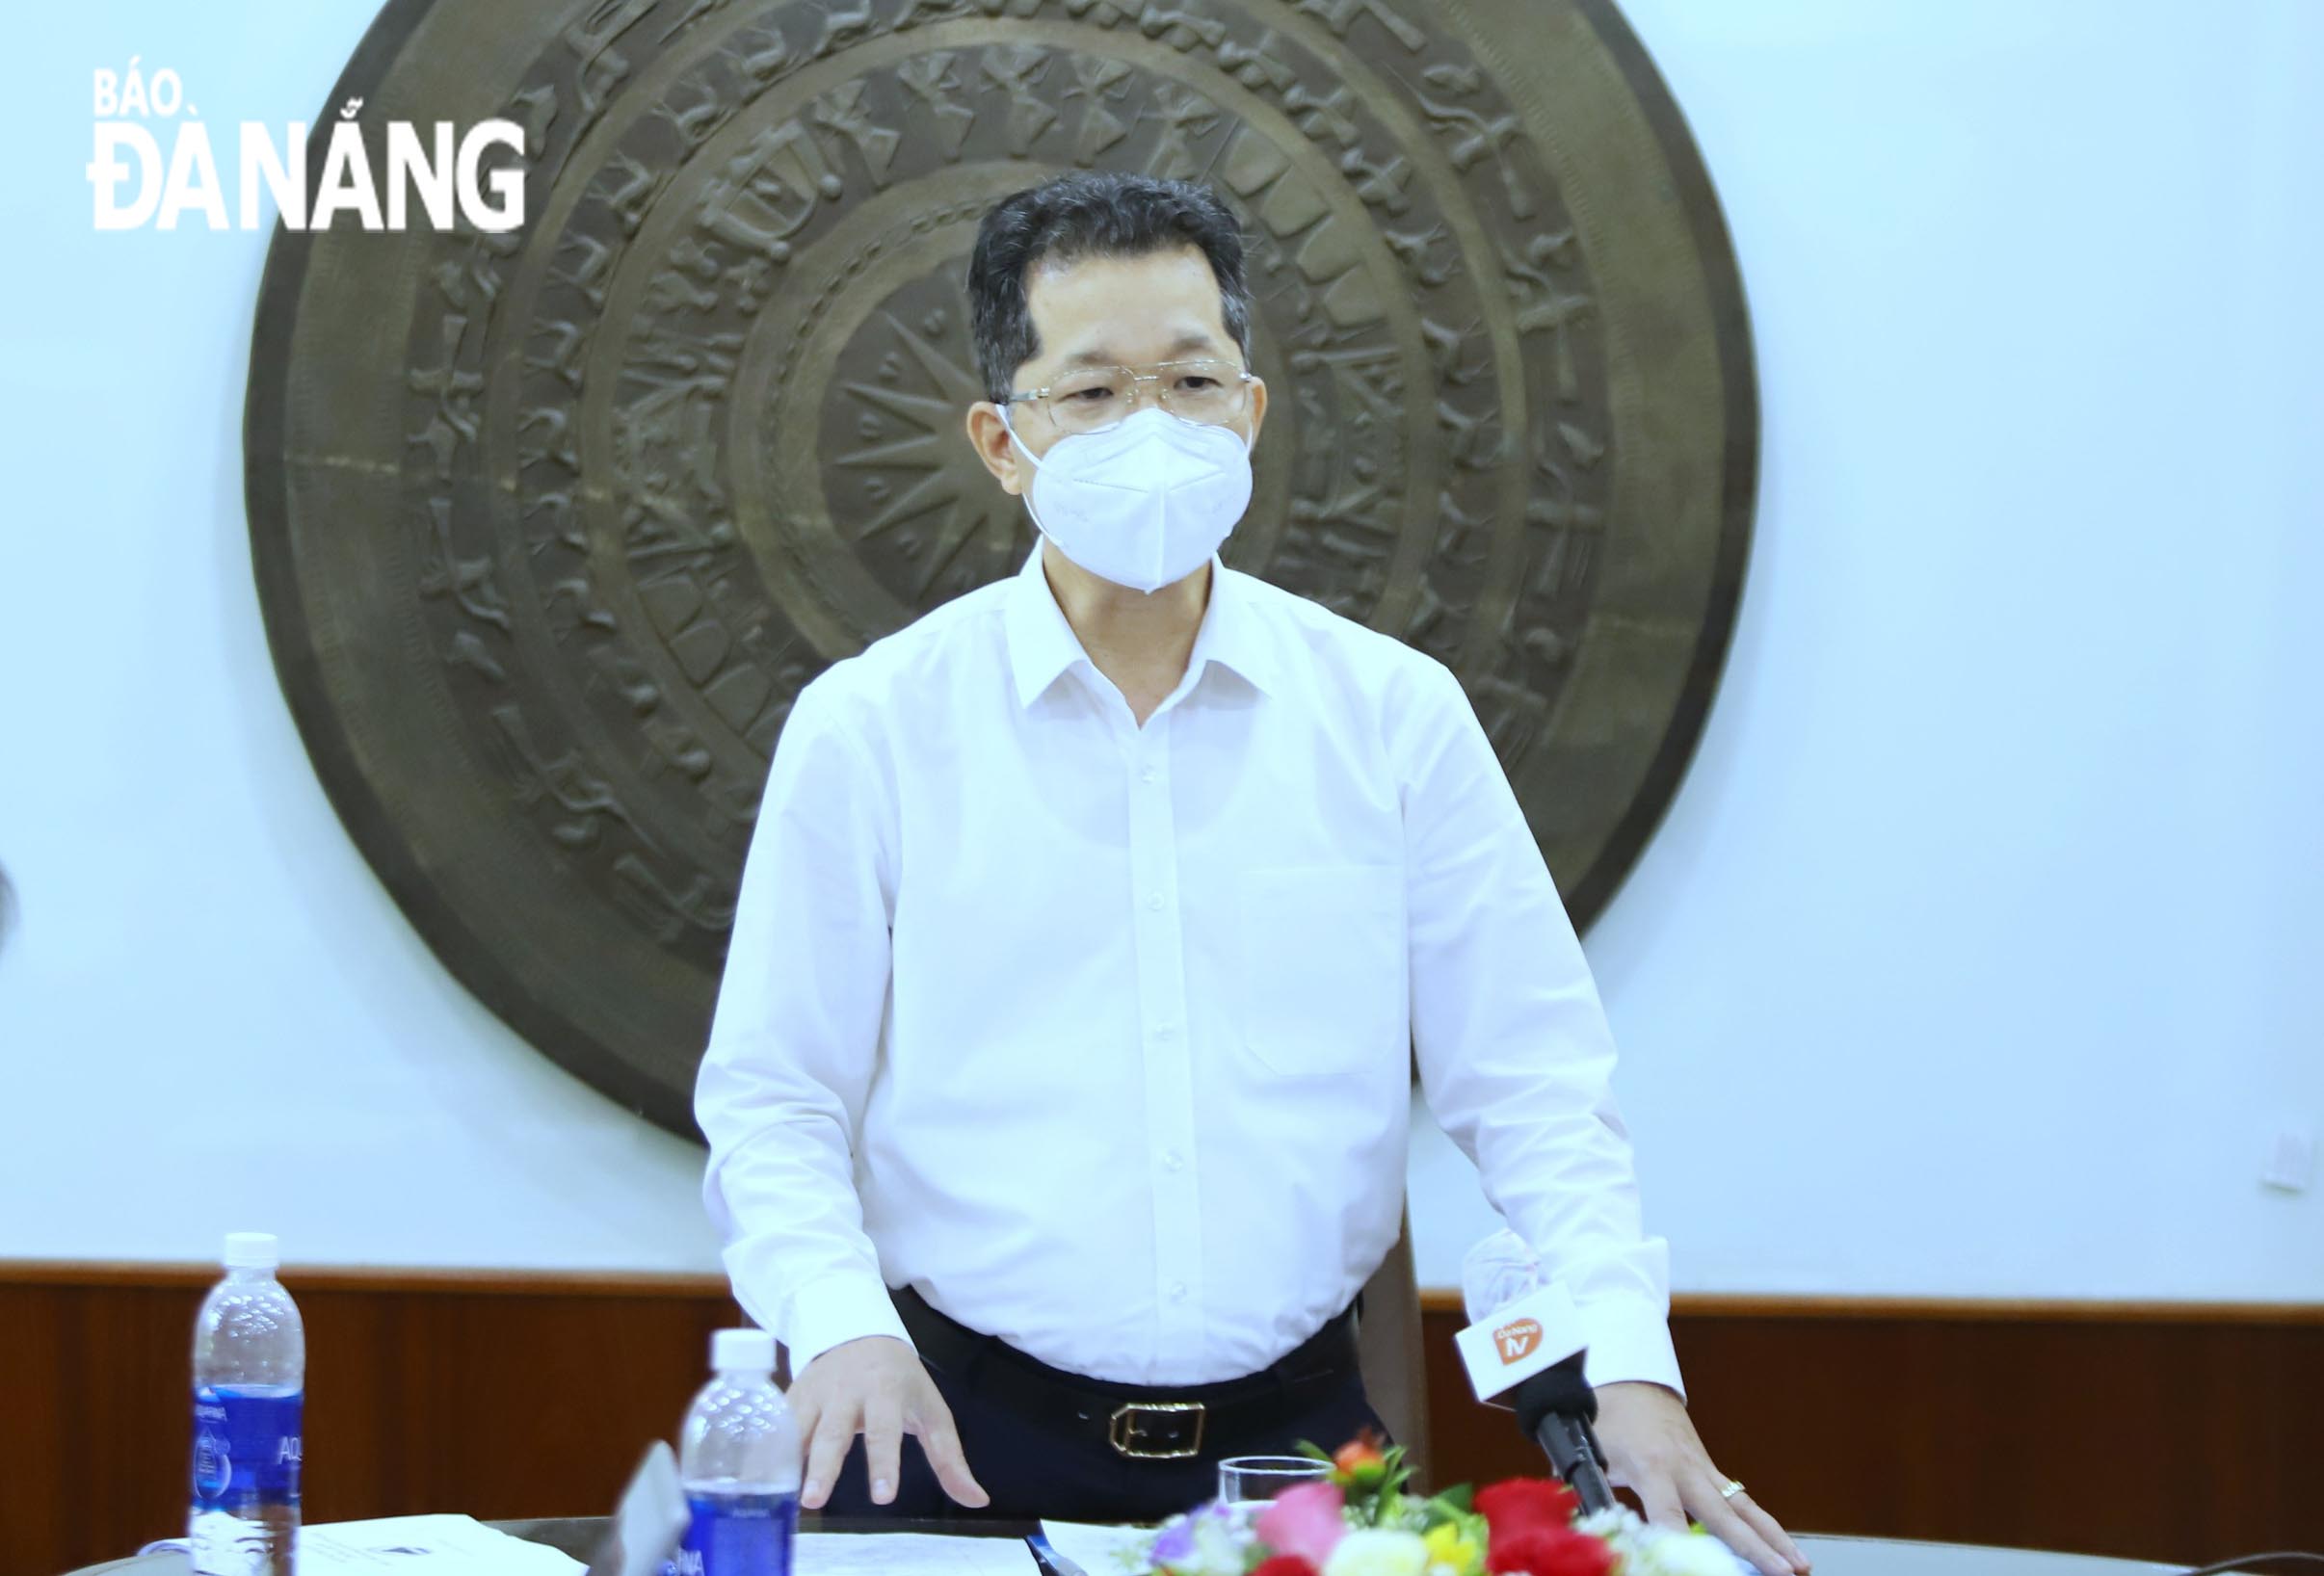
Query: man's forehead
[(1080, 319)]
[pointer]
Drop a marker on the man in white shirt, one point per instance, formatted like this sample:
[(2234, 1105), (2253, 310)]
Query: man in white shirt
[(1059, 1084)]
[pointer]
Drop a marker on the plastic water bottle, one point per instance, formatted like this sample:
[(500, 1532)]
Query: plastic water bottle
[(739, 1462), (249, 1386)]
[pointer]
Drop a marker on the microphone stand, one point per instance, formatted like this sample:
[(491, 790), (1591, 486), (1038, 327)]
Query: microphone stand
[(1574, 1456), (1555, 1408)]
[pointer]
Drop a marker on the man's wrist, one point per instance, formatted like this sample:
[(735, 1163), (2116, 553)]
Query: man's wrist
[(854, 1344), (836, 1310), (1631, 1342)]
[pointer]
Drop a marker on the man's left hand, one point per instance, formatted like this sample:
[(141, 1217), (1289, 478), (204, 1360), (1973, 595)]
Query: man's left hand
[(1652, 1449)]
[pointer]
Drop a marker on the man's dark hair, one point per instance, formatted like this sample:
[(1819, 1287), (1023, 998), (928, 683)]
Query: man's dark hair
[(1091, 214)]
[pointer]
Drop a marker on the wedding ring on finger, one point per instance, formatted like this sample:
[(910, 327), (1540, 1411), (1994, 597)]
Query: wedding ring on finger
[(1729, 1489)]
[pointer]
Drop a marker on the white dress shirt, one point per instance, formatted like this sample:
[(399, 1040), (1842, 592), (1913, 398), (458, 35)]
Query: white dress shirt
[(1098, 1036)]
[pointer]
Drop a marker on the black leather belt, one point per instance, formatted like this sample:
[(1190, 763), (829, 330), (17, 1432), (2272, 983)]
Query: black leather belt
[(1141, 1422)]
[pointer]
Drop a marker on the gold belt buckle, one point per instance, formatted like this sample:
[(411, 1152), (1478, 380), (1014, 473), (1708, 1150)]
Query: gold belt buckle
[(1121, 1430)]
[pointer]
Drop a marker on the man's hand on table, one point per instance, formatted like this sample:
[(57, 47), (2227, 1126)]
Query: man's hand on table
[(1651, 1449), (876, 1386)]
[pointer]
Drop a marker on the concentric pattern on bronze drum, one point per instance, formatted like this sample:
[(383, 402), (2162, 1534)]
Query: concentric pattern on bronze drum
[(551, 527)]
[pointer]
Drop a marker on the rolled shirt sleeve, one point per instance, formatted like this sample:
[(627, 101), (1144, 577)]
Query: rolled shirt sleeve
[(794, 1037), (1515, 1056)]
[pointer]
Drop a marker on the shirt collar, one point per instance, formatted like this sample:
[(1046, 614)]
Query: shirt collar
[(1043, 644)]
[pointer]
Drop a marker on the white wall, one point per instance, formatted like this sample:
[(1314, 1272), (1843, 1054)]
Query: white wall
[(1975, 958), (198, 934)]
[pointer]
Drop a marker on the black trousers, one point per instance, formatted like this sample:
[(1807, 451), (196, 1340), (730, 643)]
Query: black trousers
[(1032, 1470)]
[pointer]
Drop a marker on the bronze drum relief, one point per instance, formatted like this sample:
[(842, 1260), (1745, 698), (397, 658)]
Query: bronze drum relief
[(551, 525)]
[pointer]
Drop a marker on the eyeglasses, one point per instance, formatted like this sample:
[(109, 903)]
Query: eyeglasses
[(1093, 399)]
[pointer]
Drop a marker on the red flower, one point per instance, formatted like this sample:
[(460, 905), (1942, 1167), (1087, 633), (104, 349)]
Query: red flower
[(1548, 1551), (1283, 1564), (1525, 1504), (1363, 1451)]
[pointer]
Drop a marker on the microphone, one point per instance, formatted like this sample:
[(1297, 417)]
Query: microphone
[(1524, 1341)]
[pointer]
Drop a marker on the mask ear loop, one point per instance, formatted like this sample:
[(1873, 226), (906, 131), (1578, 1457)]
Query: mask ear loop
[(1010, 428), (1250, 438)]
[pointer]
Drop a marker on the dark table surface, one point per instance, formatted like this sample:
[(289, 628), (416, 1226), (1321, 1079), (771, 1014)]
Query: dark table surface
[(1830, 1556)]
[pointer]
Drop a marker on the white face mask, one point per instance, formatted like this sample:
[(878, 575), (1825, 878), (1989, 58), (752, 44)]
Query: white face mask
[(1144, 503)]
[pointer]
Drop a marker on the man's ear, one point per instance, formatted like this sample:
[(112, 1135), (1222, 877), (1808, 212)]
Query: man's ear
[(1259, 406), (990, 436)]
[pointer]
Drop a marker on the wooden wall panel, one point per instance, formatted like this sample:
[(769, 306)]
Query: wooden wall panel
[(500, 1396), (2169, 1434)]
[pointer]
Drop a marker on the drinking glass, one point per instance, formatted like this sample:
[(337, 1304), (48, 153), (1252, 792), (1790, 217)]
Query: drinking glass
[(1251, 1481)]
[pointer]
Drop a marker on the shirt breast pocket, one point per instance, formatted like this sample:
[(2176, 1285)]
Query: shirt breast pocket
[(1322, 963)]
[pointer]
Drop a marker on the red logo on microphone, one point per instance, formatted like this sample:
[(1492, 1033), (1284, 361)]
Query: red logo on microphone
[(1517, 1340)]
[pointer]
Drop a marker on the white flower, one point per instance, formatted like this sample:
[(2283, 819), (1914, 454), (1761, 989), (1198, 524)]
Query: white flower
[(1210, 1540), (1662, 1552), (1378, 1551), (1220, 1539), (1614, 1521), (1622, 1530)]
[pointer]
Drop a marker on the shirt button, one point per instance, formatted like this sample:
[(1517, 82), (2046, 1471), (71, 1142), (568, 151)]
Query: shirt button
[(1146, 776), (1163, 1031), (1153, 900), (1173, 1161), (1177, 1291)]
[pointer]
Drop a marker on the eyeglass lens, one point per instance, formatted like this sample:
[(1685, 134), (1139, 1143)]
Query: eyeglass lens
[(1095, 398)]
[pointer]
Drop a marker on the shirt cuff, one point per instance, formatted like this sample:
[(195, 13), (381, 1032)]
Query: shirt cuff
[(1629, 1341), (834, 1310)]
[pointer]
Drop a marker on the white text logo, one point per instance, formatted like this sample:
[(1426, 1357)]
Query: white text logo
[(431, 168)]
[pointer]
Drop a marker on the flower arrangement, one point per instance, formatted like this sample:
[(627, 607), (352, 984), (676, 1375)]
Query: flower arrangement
[(1358, 1521)]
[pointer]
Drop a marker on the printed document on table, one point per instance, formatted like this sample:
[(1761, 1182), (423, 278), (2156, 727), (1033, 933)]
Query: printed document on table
[(438, 1545), (1100, 1550), (908, 1553)]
